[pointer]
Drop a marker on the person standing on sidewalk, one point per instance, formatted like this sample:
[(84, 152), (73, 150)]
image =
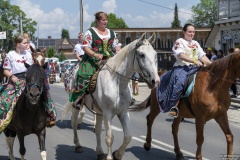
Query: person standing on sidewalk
[(233, 86), (135, 87), (78, 47)]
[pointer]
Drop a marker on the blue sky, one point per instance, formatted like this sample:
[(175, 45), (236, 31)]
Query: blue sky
[(53, 15)]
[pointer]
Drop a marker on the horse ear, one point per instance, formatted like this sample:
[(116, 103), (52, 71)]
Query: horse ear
[(32, 49), (44, 50), (152, 39), (140, 40)]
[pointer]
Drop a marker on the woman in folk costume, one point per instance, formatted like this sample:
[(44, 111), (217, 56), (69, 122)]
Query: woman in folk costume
[(189, 56), (15, 69), (98, 41)]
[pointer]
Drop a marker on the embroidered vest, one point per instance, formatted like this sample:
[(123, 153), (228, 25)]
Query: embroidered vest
[(102, 46)]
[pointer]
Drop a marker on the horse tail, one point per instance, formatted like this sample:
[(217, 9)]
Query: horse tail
[(67, 110), (142, 106)]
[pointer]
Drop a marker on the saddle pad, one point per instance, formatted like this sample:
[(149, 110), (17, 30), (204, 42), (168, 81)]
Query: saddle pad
[(189, 85)]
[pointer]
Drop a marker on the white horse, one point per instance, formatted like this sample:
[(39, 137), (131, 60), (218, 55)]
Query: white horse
[(113, 96)]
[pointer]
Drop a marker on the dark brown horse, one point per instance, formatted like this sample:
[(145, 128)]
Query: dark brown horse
[(29, 115), (210, 99)]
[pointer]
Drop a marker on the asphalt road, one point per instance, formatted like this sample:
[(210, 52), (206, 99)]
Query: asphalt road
[(59, 139)]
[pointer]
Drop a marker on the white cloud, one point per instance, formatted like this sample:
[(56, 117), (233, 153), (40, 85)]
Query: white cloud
[(109, 6), (155, 19), (49, 23)]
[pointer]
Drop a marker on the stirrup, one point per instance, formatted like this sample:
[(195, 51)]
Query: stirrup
[(175, 110)]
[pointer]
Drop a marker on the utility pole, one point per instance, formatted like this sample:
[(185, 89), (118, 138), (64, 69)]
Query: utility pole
[(21, 29), (81, 16)]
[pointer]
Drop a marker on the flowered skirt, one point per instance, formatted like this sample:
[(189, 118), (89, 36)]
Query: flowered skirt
[(86, 69), (171, 86), (9, 97)]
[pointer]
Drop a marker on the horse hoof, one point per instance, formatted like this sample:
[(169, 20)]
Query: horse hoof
[(180, 157), (101, 156), (146, 147), (114, 156), (79, 149)]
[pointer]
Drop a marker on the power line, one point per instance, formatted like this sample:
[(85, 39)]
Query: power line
[(163, 7)]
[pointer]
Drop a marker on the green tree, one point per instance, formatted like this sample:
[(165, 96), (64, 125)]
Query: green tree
[(176, 22), (9, 22), (204, 13), (50, 52), (62, 57), (65, 33), (114, 22)]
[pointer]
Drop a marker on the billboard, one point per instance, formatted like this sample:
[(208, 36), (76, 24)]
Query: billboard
[(3, 35)]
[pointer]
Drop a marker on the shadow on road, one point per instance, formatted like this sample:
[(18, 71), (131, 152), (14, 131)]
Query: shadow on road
[(66, 124), (154, 153), (65, 152)]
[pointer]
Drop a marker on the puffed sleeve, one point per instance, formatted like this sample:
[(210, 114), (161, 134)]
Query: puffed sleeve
[(178, 48), (7, 63), (87, 39), (200, 51)]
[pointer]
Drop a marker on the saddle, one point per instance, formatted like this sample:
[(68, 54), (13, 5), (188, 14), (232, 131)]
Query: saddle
[(187, 91)]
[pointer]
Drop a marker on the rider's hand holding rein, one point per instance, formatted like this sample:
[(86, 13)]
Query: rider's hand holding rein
[(13, 78)]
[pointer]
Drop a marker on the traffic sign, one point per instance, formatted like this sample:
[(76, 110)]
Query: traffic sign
[(3, 35)]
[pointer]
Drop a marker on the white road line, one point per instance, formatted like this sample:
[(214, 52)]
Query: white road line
[(172, 147)]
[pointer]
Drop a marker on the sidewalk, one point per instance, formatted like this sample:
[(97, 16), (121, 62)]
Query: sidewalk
[(144, 92)]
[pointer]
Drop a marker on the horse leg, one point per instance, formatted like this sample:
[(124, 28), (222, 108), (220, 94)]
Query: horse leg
[(98, 131), (74, 117), (175, 127), (10, 137), (81, 114), (41, 141), (223, 123), (22, 149), (200, 138), (109, 136), (124, 119), (154, 111)]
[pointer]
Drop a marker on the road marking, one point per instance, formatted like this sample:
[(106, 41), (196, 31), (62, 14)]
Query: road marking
[(172, 147)]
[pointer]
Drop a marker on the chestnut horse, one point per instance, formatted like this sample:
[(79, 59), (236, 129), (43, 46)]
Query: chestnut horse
[(210, 99)]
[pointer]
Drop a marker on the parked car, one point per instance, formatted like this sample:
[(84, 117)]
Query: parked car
[(68, 63)]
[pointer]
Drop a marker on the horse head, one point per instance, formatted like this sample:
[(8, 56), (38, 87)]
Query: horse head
[(35, 83), (38, 56), (145, 60)]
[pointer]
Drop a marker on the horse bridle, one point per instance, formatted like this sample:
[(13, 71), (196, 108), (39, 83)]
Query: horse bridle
[(40, 88), (134, 57)]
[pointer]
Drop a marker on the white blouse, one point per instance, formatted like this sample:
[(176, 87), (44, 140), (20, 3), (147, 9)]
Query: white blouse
[(15, 62), (88, 38), (191, 49)]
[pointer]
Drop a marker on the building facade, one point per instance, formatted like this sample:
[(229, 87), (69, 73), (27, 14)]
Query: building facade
[(226, 32)]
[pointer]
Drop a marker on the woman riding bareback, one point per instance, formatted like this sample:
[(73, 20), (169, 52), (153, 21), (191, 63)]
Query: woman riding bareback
[(189, 56), (98, 42)]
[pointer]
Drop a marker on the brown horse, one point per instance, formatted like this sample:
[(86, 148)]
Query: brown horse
[(210, 99)]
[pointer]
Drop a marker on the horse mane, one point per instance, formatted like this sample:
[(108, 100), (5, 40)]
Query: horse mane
[(116, 61), (217, 69)]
